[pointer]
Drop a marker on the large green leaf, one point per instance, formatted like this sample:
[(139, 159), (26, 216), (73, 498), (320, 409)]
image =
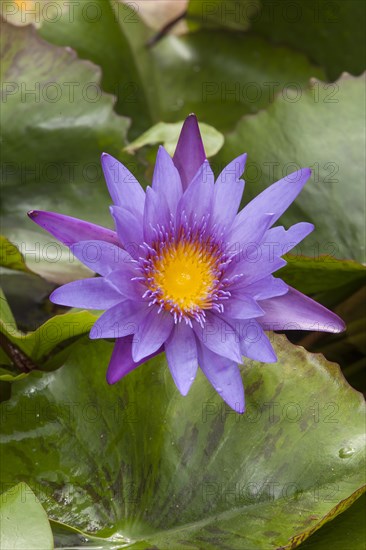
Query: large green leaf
[(111, 34), (220, 76), (38, 345), (23, 352), (323, 129), (330, 33), (56, 122), (349, 347), (329, 280), (27, 294), (139, 461), (24, 524), (347, 527), (168, 134), (222, 13), (10, 257)]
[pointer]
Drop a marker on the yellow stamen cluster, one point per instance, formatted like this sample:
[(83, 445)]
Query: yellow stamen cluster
[(184, 274)]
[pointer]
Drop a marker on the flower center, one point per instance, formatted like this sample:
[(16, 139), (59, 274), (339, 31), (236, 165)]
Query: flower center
[(183, 276)]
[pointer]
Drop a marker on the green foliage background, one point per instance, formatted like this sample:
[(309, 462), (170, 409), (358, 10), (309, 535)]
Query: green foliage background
[(135, 465)]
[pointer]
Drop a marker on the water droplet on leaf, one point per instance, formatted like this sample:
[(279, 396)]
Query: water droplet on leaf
[(346, 452)]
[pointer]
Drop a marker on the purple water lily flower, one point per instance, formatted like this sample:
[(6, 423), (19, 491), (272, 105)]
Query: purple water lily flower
[(185, 273)]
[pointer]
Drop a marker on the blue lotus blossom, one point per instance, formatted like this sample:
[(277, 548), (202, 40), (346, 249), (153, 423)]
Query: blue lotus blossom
[(187, 274)]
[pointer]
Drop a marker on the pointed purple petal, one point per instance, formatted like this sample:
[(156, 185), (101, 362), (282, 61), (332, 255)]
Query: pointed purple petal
[(122, 280), (225, 377), (129, 230), (269, 287), (70, 230), (218, 336), (156, 213), (295, 311), (93, 293), (256, 271), (190, 152), (241, 306), (120, 320), (196, 202), (154, 330), (228, 192), (242, 238), (276, 198), (166, 180), (123, 187), (99, 256), (283, 241), (121, 362), (181, 354), (254, 343)]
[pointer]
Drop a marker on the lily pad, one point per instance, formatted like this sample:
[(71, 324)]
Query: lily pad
[(60, 329), (229, 14), (112, 35), (330, 33), (10, 257), (349, 526), (168, 134), (138, 462), (56, 124), (26, 351), (328, 279), (220, 76), (321, 128), (24, 523)]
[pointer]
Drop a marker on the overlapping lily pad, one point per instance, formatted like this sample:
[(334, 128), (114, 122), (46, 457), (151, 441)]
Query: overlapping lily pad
[(330, 33), (322, 128), (221, 77), (168, 135), (10, 257), (21, 352), (112, 35), (229, 14), (349, 526), (140, 461), (24, 524), (328, 279), (56, 123)]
